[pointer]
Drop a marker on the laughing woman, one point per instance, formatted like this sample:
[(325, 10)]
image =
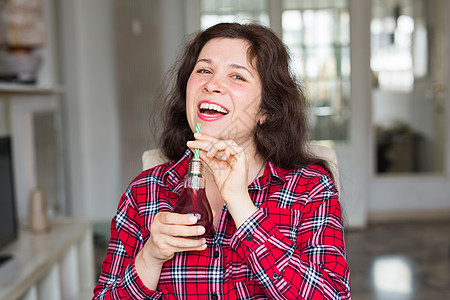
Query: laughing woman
[(278, 231)]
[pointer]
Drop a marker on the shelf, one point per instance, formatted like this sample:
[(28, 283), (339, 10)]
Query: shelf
[(54, 265), (14, 88)]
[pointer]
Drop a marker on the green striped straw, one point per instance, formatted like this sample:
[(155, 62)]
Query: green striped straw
[(197, 130)]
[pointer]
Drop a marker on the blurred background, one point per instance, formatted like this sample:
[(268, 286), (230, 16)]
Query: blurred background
[(79, 82)]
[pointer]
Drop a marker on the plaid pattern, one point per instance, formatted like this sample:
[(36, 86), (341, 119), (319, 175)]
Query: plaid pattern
[(291, 248)]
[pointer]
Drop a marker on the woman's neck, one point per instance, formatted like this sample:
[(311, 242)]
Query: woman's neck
[(256, 163)]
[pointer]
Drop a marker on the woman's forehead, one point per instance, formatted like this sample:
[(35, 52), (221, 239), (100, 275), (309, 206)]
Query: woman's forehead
[(236, 49)]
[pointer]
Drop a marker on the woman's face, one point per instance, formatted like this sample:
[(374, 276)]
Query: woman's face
[(224, 91)]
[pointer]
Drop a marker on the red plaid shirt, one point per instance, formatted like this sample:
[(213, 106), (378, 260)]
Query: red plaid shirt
[(291, 248)]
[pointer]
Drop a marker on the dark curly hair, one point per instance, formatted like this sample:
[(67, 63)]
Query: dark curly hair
[(282, 137)]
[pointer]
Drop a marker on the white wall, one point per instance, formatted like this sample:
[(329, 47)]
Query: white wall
[(353, 162), (174, 30), (4, 128), (90, 108)]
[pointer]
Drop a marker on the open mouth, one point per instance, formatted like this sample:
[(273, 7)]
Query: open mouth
[(210, 109)]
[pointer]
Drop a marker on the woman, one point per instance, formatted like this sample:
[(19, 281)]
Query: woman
[(278, 229)]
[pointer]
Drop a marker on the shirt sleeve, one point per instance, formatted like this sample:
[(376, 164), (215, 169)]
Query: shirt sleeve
[(118, 278), (315, 266)]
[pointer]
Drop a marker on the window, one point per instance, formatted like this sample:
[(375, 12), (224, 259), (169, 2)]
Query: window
[(241, 11), (396, 34), (318, 36)]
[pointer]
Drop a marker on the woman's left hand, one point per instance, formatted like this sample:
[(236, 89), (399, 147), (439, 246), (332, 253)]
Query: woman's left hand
[(229, 164)]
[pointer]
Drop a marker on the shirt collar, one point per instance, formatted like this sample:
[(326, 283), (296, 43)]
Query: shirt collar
[(271, 173), (174, 176)]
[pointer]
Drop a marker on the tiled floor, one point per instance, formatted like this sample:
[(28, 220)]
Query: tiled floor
[(396, 261), (400, 261)]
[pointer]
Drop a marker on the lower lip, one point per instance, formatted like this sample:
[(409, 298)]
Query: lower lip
[(209, 118)]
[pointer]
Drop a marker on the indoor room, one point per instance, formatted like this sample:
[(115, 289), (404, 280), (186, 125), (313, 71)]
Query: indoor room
[(81, 85)]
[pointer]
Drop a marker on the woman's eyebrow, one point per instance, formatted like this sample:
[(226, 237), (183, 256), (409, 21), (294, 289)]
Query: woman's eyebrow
[(236, 66), (232, 65), (206, 60)]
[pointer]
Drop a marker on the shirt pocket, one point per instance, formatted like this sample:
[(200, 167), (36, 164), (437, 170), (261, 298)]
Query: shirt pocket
[(287, 220)]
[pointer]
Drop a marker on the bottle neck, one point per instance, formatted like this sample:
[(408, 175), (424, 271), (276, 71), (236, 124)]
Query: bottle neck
[(194, 178), (195, 166)]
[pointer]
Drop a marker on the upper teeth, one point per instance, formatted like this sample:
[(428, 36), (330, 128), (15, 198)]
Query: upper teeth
[(215, 107)]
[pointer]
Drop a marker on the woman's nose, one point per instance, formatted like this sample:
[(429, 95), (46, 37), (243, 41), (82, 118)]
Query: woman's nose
[(214, 86)]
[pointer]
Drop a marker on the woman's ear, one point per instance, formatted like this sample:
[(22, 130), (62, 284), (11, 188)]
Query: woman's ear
[(262, 119)]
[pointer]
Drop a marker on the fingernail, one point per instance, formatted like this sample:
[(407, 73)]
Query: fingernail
[(193, 219), (189, 143), (197, 134), (201, 230)]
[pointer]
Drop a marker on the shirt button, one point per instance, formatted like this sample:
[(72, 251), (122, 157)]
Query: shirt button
[(249, 237), (229, 216), (216, 254), (275, 276), (214, 296)]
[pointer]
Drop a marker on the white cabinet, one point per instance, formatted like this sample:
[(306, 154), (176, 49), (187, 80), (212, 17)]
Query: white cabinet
[(55, 265)]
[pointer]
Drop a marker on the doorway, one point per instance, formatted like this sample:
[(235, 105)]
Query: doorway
[(409, 40)]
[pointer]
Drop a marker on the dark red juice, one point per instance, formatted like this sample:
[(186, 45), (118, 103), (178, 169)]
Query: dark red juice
[(194, 202)]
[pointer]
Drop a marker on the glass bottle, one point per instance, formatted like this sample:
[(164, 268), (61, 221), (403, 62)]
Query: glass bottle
[(193, 199)]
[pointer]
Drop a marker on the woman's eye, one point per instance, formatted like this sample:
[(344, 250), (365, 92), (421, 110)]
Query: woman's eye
[(238, 77), (203, 71)]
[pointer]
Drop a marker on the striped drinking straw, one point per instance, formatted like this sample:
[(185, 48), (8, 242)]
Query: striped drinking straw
[(197, 130), (195, 180)]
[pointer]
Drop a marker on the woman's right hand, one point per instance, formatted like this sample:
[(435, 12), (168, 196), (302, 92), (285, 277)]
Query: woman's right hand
[(170, 233)]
